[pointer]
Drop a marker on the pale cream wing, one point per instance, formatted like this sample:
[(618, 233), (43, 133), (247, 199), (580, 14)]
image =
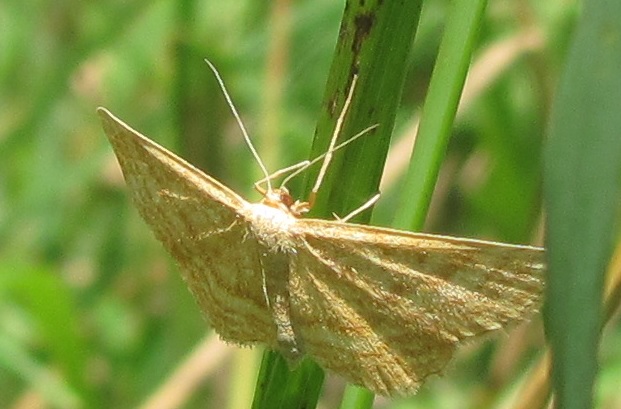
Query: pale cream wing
[(385, 308), (196, 219)]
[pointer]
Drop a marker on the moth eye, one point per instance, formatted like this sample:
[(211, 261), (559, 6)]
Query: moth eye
[(285, 198)]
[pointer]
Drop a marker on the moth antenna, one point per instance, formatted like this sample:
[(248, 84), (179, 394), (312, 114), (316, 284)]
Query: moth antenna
[(335, 134), (306, 164), (229, 101), (301, 165)]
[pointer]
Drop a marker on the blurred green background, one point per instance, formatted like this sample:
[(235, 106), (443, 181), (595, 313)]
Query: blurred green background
[(93, 312)]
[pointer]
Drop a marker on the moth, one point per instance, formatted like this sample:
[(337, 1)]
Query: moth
[(382, 308)]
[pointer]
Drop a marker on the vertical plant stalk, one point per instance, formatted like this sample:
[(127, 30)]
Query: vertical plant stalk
[(375, 39)]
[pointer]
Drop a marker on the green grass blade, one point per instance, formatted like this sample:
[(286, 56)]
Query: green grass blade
[(374, 42), (439, 111), (279, 387), (583, 164), (357, 398)]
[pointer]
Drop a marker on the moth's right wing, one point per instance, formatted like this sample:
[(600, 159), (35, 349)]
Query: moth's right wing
[(196, 218), (387, 308)]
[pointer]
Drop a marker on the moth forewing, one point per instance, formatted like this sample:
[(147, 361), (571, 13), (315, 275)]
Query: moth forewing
[(198, 221), (386, 308)]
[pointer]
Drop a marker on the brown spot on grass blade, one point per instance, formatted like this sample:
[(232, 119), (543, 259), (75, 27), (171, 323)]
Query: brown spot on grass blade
[(382, 308)]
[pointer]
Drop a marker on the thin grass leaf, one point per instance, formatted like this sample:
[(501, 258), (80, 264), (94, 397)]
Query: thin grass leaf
[(582, 169), (439, 111)]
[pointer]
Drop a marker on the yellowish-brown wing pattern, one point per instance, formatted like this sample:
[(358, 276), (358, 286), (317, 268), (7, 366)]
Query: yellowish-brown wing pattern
[(385, 308), (382, 308), (195, 217)]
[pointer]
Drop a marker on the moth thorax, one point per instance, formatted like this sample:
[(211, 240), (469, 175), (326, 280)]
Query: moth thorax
[(272, 226)]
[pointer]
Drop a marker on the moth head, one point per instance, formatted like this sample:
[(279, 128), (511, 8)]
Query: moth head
[(281, 199)]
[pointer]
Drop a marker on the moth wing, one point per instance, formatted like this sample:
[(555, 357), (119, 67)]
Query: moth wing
[(196, 219), (385, 308)]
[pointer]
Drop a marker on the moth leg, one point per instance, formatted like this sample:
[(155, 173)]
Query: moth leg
[(359, 210)]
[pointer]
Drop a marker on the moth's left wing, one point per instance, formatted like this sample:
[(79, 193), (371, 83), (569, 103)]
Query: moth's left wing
[(197, 220), (385, 308)]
